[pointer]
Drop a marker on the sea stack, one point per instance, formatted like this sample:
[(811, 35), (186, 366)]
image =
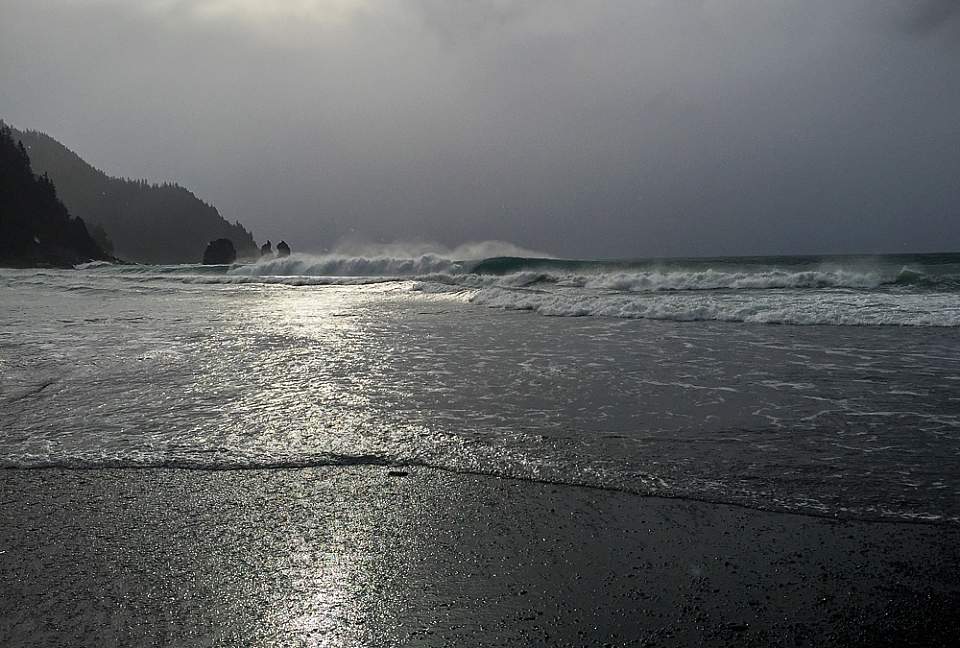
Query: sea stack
[(283, 249), (266, 249), (220, 251)]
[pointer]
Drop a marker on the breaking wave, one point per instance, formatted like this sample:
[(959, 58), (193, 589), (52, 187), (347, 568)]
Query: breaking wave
[(350, 266), (932, 271), (627, 276), (93, 264), (815, 308), (905, 290), (459, 267)]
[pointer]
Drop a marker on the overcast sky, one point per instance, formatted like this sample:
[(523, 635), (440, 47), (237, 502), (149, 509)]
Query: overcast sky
[(593, 128)]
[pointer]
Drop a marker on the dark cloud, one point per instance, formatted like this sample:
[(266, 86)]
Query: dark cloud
[(927, 16)]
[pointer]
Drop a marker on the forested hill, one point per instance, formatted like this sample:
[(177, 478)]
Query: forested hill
[(146, 223), (35, 227)]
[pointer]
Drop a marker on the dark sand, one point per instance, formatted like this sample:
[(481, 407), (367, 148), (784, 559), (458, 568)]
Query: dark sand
[(352, 556)]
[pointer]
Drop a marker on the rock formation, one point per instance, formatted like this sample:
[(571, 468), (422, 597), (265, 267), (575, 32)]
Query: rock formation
[(283, 249), (266, 249), (220, 251)]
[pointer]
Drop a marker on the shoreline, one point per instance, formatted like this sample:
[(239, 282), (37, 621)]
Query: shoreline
[(350, 555), (948, 523)]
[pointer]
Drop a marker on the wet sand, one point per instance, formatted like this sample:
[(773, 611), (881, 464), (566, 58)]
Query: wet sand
[(352, 556)]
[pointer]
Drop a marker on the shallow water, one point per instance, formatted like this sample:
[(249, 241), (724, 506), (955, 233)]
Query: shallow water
[(231, 368)]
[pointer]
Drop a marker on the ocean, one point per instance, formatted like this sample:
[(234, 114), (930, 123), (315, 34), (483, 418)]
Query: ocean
[(818, 385)]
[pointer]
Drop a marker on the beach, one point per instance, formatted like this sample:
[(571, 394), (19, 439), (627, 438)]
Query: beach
[(350, 324), (196, 456), (378, 556)]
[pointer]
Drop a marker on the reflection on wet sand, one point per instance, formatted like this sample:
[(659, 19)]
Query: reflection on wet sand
[(349, 556)]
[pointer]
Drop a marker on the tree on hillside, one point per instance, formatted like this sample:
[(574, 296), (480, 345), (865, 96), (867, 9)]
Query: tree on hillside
[(148, 223), (35, 226)]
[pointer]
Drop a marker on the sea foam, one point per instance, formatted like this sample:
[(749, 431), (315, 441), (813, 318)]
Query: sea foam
[(820, 308), (915, 290)]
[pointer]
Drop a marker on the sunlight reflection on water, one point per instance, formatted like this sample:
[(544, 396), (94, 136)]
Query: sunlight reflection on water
[(226, 376)]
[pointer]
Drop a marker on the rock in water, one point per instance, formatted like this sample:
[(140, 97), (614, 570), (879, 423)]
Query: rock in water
[(219, 252), (266, 249), (283, 249)]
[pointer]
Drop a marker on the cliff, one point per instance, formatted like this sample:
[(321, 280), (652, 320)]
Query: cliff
[(146, 223), (36, 229)]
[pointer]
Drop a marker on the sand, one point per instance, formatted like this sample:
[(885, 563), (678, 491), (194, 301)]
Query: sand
[(352, 556)]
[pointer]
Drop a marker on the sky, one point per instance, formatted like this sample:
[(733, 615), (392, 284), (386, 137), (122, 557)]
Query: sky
[(597, 128)]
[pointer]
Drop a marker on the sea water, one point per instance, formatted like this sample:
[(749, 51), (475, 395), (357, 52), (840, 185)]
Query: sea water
[(818, 385)]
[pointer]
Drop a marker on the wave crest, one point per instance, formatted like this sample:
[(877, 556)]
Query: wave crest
[(717, 280), (302, 265), (625, 276), (838, 309)]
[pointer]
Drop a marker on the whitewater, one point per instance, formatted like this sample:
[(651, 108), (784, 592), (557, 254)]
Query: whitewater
[(814, 385), (897, 290)]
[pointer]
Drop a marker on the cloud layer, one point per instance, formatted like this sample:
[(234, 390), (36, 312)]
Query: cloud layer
[(610, 128)]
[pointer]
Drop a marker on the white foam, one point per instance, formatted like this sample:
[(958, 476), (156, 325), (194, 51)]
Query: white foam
[(837, 308), (853, 294), (714, 280), (404, 259), (450, 270), (92, 264), (333, 265)]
